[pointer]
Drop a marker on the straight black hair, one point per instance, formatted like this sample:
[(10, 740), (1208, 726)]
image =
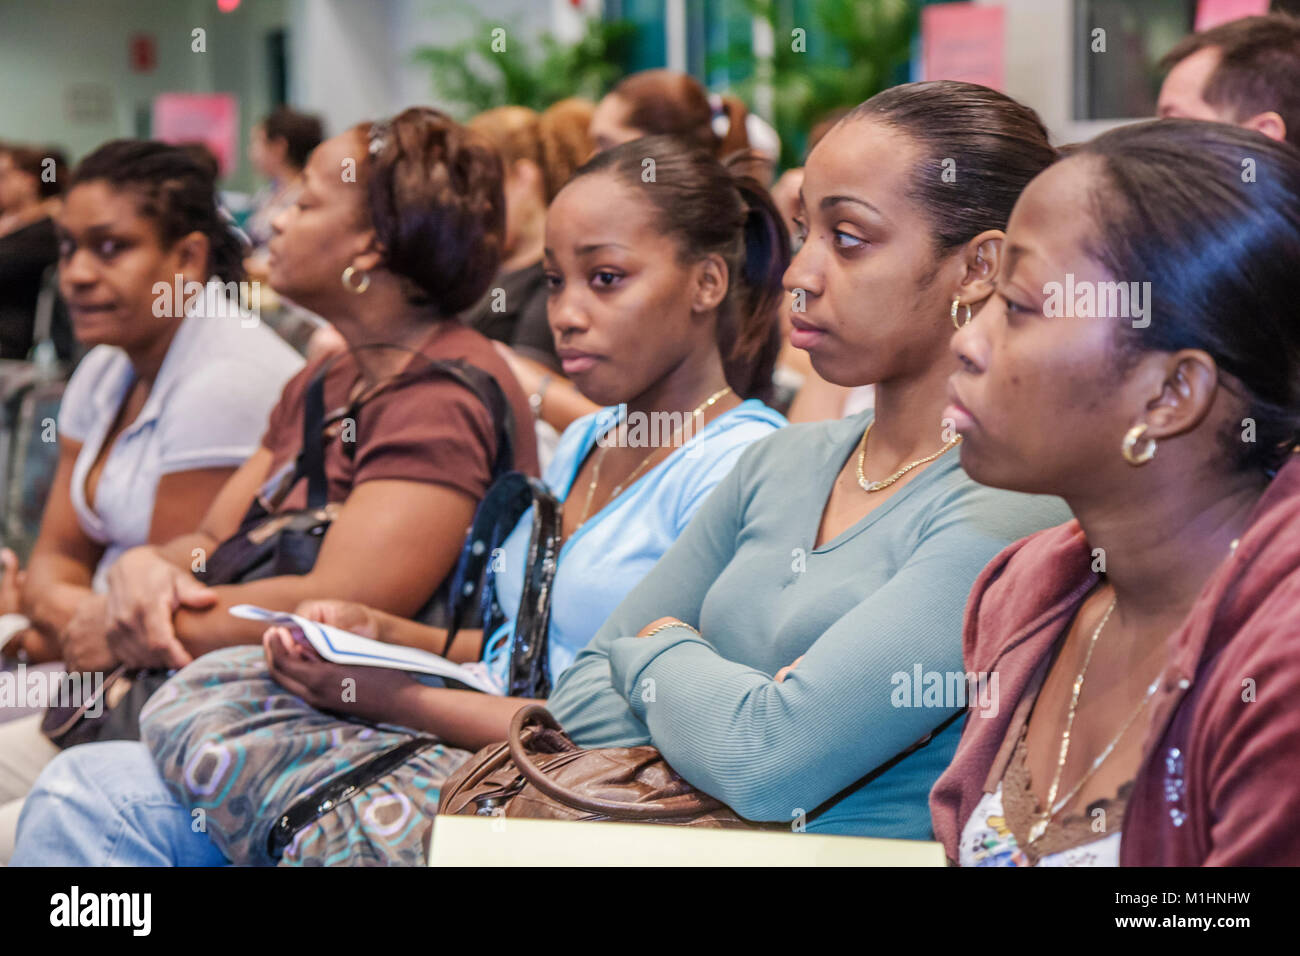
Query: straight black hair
[(979, 149), (1209, 214)]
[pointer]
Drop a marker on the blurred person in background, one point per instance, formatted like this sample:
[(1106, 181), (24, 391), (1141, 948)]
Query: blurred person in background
[(539, 152), (1245, 72), (671, 103), (278, 149), (31, 180)]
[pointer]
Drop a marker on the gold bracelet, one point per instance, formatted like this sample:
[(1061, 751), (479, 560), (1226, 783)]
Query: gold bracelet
[(661, 627)]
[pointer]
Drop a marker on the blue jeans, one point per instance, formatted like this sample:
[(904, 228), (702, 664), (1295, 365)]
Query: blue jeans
[(106, 805)]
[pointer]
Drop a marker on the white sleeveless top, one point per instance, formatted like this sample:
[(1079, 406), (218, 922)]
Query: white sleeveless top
[(207, 409)]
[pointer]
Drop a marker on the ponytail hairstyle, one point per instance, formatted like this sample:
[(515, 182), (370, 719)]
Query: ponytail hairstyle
[(708, 209), (435, 199), (992, 145), (669, 103), (1173, 206), (173, 191), (556, 140)]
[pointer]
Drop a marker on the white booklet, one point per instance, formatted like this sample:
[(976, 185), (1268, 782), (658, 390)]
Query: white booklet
[(344, 647)]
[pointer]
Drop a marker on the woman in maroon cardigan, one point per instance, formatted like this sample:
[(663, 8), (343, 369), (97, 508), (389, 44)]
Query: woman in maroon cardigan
[(1147, 655)]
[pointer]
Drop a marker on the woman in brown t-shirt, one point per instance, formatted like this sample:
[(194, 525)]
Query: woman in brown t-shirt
[(398, 228)]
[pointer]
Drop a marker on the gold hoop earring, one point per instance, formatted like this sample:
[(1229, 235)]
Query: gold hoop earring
[(953, 314), (361, 286), (1129, 448)]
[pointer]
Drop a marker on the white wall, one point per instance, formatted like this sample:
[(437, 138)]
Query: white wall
[(1040, 65), (353, 59), (47, 47)]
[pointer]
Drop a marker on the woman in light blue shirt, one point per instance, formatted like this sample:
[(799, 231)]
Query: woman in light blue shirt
[(622, 542), (662, 302)]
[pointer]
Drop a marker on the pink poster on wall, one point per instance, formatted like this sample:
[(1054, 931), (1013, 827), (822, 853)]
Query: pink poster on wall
[(208, 118), (963, 41), (1210, 13)]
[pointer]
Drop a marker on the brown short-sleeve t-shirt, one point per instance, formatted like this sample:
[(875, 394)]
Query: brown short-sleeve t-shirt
[(433, 430)]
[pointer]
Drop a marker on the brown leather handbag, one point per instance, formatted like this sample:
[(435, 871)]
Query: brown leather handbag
[(541, 774)]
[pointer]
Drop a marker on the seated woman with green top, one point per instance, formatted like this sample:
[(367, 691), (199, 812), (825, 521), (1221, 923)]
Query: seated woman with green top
[(805, 628)]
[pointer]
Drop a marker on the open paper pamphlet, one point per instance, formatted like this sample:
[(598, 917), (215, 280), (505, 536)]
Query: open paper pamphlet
[(343, 647)]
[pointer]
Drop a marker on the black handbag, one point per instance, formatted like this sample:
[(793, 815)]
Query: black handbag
[(272, 542), (119, 701)]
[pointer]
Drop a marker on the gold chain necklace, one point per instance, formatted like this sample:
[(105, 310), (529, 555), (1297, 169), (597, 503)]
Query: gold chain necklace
[(1055, 806), (870, 486), (595, 471)]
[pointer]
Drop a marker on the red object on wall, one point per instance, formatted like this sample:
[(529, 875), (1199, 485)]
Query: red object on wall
[(963, 41), (144, 53), (1211, 13), (227, 6), (208, 118)]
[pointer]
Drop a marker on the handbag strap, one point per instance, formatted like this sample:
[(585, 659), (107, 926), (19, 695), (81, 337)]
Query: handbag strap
[(685, 805), (495, 518), (887, 765), (311, 458), (340, 790), (529, 658)]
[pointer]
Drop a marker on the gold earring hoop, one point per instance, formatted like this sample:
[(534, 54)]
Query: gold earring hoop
[(1129, 448), (361, 286), (953, 314)]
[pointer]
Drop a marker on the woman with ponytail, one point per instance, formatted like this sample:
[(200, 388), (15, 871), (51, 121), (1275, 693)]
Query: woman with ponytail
[(662, 298)]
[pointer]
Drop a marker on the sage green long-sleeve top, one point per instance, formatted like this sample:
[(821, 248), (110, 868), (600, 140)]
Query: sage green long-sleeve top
[(865, 610)]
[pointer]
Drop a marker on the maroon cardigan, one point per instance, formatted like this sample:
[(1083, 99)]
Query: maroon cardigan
[(1219, 782)]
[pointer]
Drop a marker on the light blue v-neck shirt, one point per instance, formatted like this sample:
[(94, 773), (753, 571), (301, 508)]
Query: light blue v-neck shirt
[(618, 545)]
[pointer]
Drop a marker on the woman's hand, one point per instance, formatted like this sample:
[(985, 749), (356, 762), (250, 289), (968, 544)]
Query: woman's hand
[(85, 640), (379, 694), (784, 672), (144, 592), (345, 615)]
